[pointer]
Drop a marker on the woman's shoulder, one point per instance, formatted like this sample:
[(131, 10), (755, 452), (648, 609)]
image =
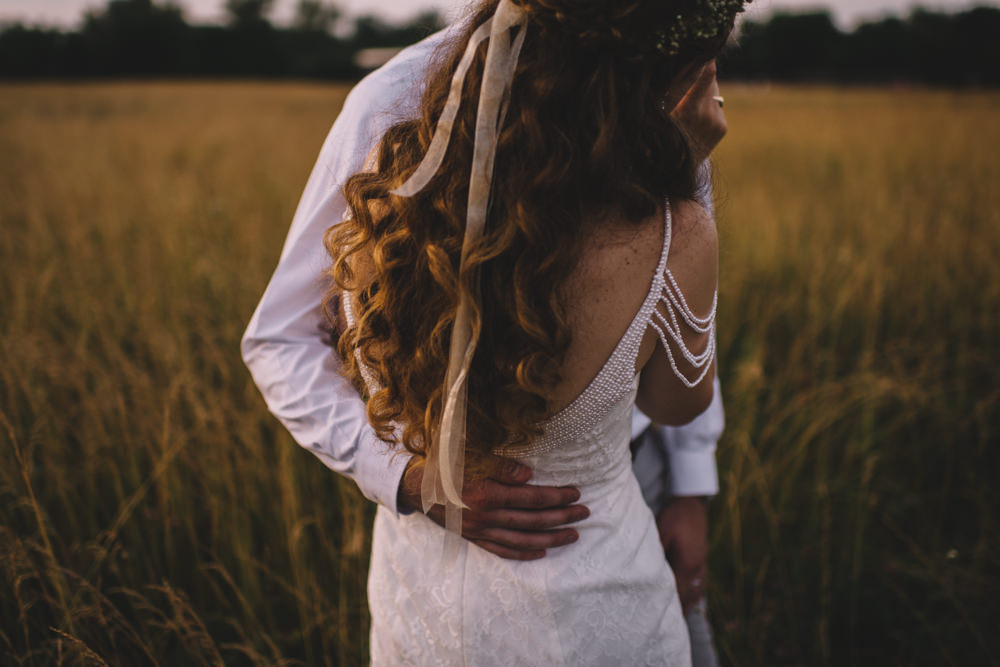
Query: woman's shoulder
[(693, 230), (693, 258), (614, 247), (615, 244)]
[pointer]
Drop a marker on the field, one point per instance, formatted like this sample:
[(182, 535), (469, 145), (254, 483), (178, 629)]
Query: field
[(152, 512)]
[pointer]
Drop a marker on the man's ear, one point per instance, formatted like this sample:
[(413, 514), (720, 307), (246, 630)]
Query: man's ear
[(681, 84)]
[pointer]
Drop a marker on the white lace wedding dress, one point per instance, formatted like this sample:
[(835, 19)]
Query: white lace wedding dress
[(607, 600)]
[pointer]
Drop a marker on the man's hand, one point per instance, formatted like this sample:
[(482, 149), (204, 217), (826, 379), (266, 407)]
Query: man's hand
[(683, 527), (507, 516), (700, 116)]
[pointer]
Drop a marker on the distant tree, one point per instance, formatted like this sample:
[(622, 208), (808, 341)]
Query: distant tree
[(316, 16), (936, 58), (134, 37), (32, 52), (791, 46), (313, 49), (251, 45), (372, 32), (247, 13), (977, 33), (879, 51)]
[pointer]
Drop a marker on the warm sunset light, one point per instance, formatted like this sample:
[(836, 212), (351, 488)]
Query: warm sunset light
[(499, 332)]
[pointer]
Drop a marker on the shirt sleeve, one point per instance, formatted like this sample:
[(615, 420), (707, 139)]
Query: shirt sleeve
[(690, 451), (283, 346), (686, 452)]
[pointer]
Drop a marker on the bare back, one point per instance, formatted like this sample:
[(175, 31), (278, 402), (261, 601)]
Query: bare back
[(607, 289), (609, 285)]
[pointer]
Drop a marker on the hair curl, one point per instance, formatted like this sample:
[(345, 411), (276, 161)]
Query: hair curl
[(586, 134)]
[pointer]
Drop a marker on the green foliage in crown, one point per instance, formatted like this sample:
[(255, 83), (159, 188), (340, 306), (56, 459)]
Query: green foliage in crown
[(706, 19)]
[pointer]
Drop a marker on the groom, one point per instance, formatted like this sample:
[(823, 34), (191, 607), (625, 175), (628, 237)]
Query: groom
[(297, 374)]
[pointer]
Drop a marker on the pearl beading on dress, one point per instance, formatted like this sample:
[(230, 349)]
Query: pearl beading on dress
[(672, 328)]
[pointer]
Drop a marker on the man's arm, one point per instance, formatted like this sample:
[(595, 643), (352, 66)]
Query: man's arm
[(690, 451), (283, 346), (676, 470), (683, 520), (298, 374)]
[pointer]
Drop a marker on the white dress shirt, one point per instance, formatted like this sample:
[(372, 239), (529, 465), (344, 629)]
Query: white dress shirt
[(284, 347)]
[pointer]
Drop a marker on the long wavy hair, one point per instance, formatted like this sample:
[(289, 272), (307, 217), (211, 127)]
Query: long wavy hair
[(586, 135)]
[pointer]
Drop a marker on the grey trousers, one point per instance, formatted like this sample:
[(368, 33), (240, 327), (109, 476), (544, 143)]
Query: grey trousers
[(651, 468)]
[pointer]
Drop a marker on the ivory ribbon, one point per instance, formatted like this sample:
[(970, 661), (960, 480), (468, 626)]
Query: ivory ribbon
[(444, 471)]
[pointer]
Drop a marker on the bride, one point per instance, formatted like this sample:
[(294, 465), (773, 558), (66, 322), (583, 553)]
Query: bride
[(520, 265)]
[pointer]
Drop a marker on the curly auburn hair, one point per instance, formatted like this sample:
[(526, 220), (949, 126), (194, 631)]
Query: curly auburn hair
[(586, 134)]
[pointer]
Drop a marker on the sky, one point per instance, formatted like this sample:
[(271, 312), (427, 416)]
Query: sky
[(66, 13)]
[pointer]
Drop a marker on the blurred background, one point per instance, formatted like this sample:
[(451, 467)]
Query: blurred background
[(151, 158), (785, 40)]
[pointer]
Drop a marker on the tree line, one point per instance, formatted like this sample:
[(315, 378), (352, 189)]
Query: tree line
[(144, 38), (926, 47)]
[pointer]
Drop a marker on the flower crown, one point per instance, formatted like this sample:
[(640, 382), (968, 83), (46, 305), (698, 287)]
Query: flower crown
[(707, 19)]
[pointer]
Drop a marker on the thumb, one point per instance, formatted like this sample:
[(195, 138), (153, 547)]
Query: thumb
[(508, 471)]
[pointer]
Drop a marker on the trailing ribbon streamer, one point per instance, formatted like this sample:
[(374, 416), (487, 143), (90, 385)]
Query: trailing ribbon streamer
[(444, 471)]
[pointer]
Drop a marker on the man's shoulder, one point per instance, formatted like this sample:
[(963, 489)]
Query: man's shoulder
[(399, 81), (388, 95)]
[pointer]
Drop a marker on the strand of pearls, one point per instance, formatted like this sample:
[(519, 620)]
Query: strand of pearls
[(668, 328)]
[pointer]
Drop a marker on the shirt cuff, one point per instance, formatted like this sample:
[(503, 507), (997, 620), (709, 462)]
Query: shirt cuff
[(379, 472), (693, 472)]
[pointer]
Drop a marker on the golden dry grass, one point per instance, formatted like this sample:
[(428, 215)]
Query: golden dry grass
[(152, 512)]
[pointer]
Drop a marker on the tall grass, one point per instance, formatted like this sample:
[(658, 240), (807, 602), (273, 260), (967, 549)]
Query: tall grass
[(860, 350), (152, 512)]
